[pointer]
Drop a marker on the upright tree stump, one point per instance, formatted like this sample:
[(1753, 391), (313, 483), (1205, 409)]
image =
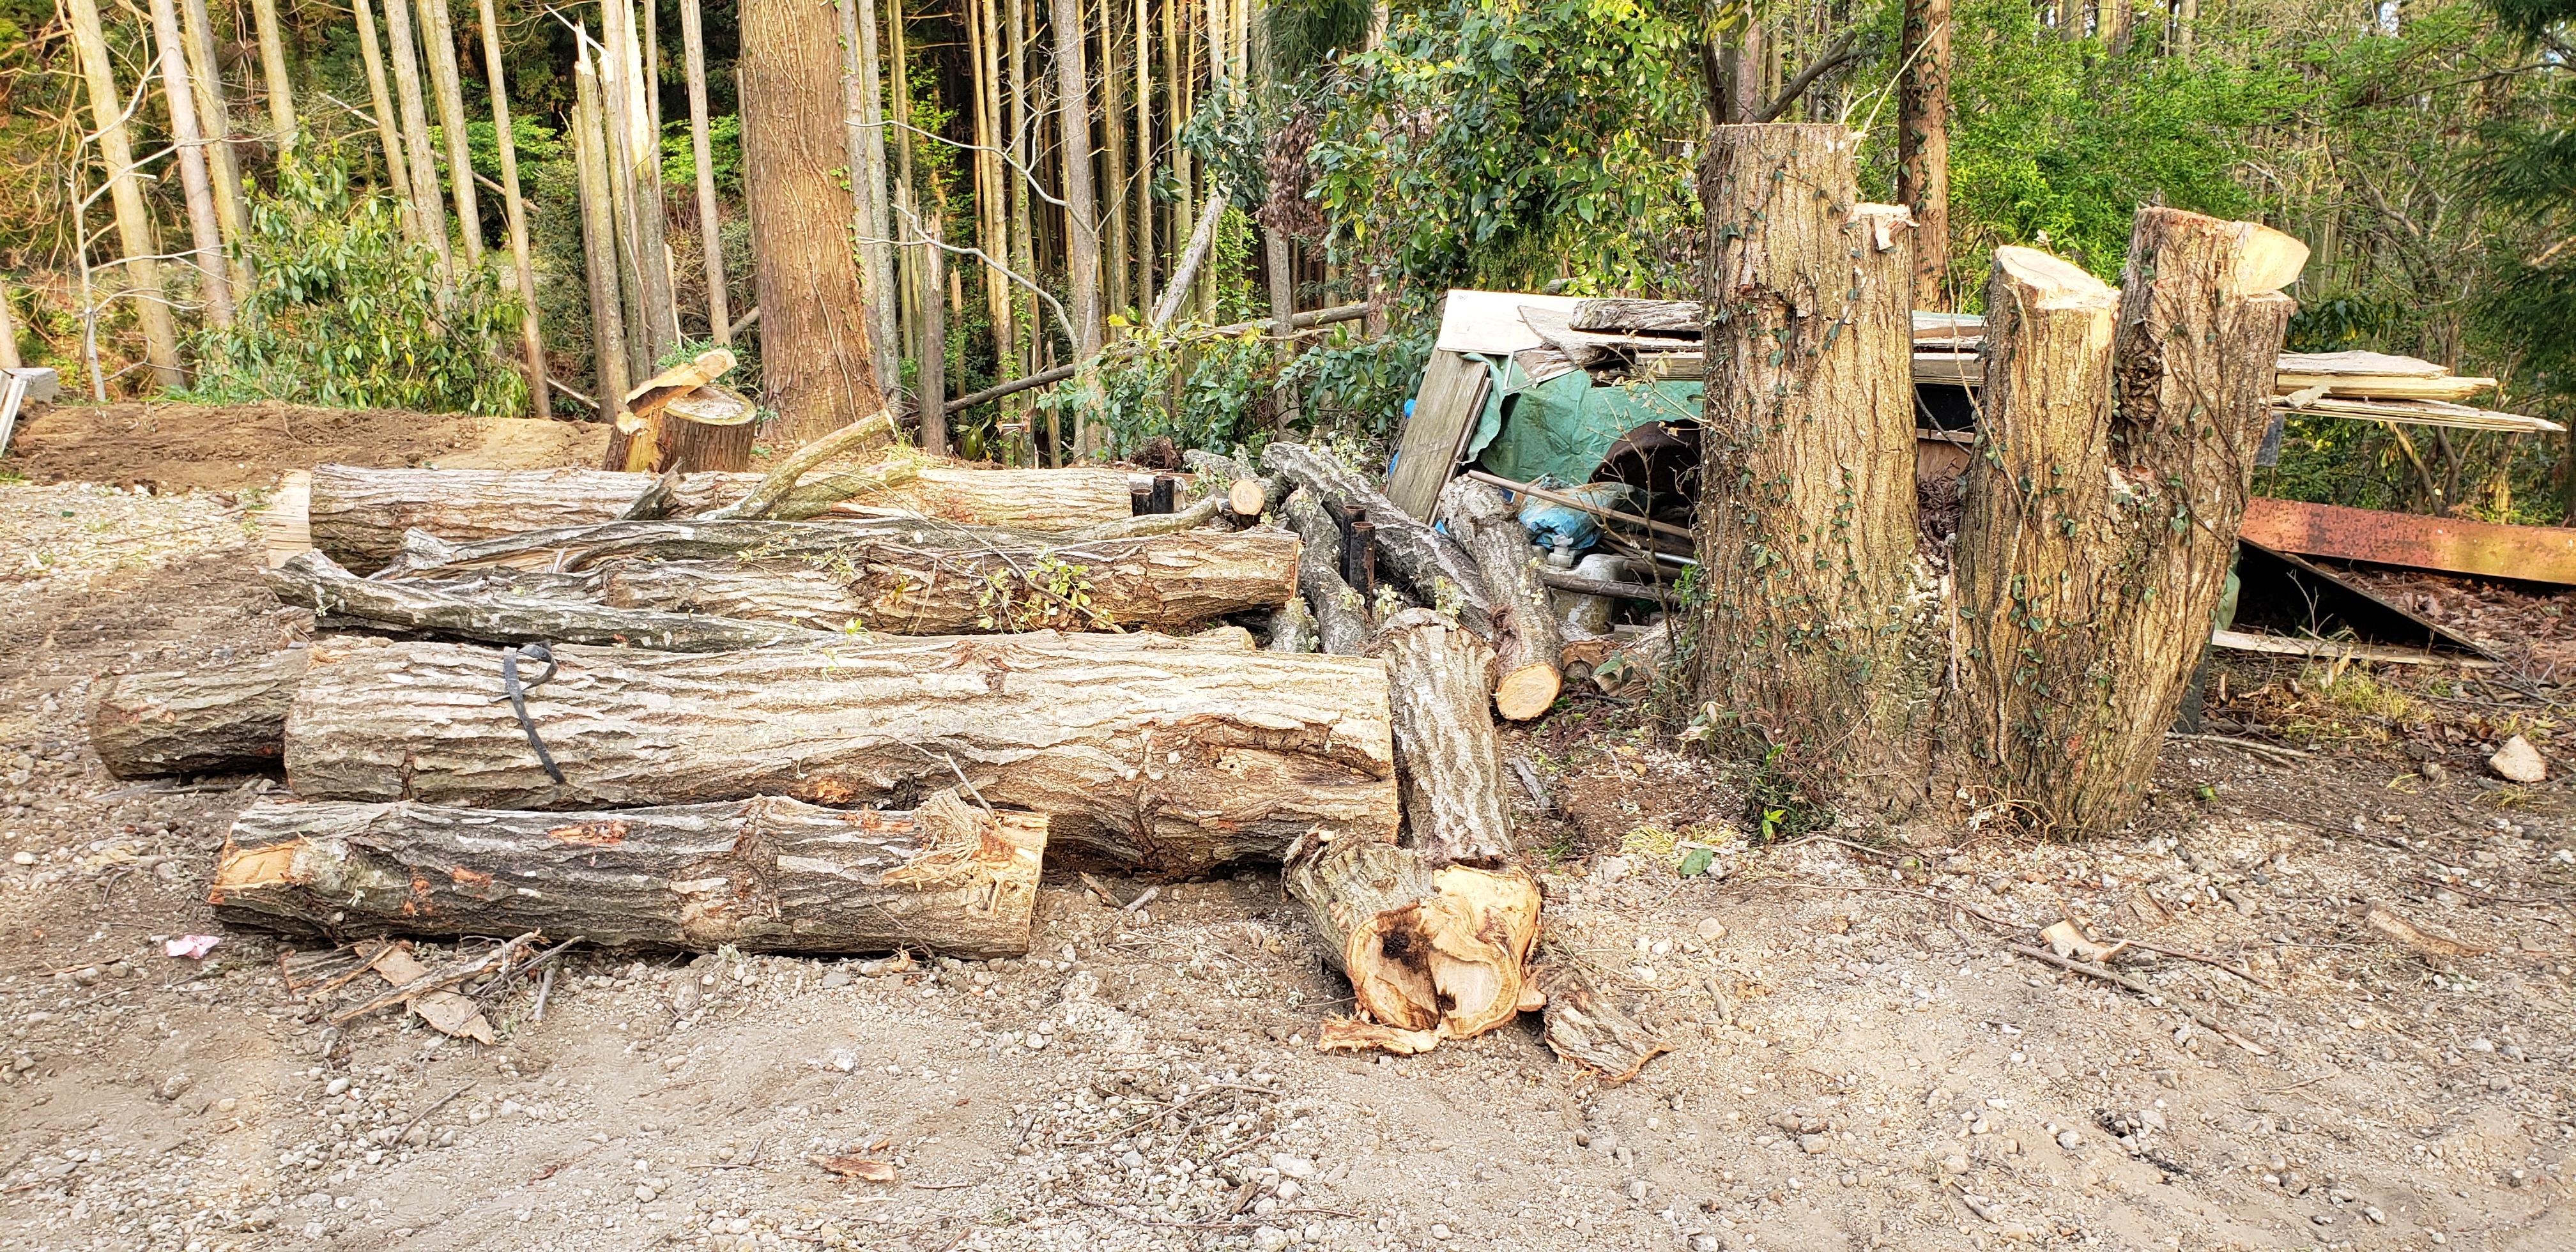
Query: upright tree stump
[(1807, 517)]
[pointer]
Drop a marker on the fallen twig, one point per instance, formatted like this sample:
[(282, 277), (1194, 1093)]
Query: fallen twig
[(423, 1115), (2249, 745), (520, 971), (437, 979), (2203, 958), (2153, 996)]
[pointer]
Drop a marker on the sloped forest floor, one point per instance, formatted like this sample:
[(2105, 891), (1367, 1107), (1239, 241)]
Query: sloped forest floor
[(1859, 1058)]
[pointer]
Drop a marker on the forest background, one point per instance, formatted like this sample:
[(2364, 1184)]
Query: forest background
[(1368, 154)]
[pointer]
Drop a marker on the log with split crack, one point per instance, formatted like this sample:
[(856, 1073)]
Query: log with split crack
[(1173, 754)]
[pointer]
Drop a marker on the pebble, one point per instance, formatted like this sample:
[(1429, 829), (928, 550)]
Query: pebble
[(1712, 930), (2518, 761), (1705, 1243), (2069, 1140), (1439, 1231), (1292, 1166)]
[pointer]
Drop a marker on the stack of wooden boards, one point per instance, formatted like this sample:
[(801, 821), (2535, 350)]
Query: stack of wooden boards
[(560, 707), (1659, 339)]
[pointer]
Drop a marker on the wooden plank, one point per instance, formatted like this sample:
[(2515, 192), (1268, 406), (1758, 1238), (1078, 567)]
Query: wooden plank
[(2449, 544), (285, 526), (1676, 317), (1452, 396), (1490, 321), (2326, 649)]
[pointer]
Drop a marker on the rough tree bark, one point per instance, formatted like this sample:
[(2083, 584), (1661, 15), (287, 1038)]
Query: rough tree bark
[(761, 875), (205, 232), (359, 516), (1422, 557), (310, 580), (388, 127), (2100, 518), (815, 361), (214, 719), (404, 44), (272, 65), (1448, 764), (1807, 515), (1341, 621), (1923, 142), (1527, 642), (1141, 748), (1082, 224), (1433, 952)]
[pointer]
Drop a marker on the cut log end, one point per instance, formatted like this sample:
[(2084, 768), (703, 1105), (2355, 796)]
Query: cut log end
[(1246, 497), (2052, 282), (1431, 954), (1527, 692)]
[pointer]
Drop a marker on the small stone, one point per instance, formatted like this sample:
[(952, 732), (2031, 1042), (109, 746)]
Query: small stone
[(1292, 1166), (2518, 761), (643, 1194), (1271, 1239), (175, 1086), (1812, 1144), (2069, 1140), (22, 858), (1711, 930), (1705, 1243), (335, 1086), (88, 977), (227, 1104), (1439, 1231), (1288, 1189), (1636, 1189), (2376, 1217), (836, 978), (2323, 1219), (2482, 1044), (1955, 1163)]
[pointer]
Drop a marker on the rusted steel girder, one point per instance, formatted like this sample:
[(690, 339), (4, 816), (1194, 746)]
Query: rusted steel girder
[(2450, 544)]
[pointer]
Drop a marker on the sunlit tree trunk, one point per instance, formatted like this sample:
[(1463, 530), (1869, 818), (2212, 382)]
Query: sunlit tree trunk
[(1923, 143), (133, 220), (1143, 214), (598, 237), (876, 258), (532, 342), (1113, 120), (388, 126), (1082, 225), (425, 199), (710, 235), (272, 65), (197, 191), (815, 364), (214, 120), (438, 40)]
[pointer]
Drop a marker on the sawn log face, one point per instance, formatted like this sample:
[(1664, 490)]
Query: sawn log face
[(1145, 749), (767, 874)]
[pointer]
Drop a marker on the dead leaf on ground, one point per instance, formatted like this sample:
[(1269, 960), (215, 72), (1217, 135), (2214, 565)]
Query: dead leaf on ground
[(446, 1011), (853, 1167), (2425, 942), (2068, 940)]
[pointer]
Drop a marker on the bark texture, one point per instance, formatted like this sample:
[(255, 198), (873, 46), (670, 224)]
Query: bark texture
[(1447, 761), (761, 875), (1341, 621), (1526, 638), (1433, 952), (1425, 559), (815, 362), (1923, 142), (214, 719), (2144, 534), (358, 516), (311, 581), (1807, 513), (1590, 1027), (1140, 748)]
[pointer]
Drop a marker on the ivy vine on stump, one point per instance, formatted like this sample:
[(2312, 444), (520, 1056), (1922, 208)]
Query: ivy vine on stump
[(1807, 519)]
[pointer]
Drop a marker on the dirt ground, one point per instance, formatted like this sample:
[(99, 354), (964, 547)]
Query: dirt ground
[(182, 447), (1860, 1058)]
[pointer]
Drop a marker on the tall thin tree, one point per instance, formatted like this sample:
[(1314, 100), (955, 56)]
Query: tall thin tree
[(815, 364), (1023, 246), (272, 67), (598, 234), (425, 199), (877, 257), (1082, 223), (438, 41), (693, 43), (197, 190), (133, 221), (1113, 123), (388, 128), (1923, 142), (531, 340), (214, 118)]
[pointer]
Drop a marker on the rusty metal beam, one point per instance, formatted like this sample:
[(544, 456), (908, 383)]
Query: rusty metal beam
[(2449, 544)]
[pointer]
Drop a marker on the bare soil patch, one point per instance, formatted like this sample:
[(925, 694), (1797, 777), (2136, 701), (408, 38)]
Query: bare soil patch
[(182, 447)]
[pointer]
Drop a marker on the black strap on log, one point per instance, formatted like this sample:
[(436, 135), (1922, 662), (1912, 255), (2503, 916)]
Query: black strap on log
[(517, 693)]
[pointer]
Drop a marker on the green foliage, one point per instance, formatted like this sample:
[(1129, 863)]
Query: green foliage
[(1052, 594), (724, 152), (1356, 384), (341, 311), (1201, 390), (1511, 144)]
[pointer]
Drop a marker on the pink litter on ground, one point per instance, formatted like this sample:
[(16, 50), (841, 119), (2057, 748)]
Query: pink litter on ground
[(193, 947)]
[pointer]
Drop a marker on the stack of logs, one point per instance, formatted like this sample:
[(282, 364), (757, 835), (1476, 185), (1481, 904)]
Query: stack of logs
[(855, 710)]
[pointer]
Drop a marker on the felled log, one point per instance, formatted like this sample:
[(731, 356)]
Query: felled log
[(761, 875), (1629, 667), (1248, 494), (357, 516), (311, 581), (1448, 764), (1672, 317), (1144, 749), (213, 719), (932, 583), (1526, 639), (1292, 626), (1432, 952), (1341, 620), (1423, 558)]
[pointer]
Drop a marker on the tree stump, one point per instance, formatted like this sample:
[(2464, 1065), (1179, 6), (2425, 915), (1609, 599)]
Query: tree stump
[(706, 431), (1432, 952), (1807, 530)]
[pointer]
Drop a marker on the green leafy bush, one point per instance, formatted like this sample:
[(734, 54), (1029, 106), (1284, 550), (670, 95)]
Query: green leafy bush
[(343, 311)]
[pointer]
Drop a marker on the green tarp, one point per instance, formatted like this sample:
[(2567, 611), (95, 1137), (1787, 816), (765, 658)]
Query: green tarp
[(1562, 428)]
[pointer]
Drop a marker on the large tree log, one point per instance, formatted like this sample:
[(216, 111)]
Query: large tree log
[(2098, 528), (358, 516), (311, 581), (762, 875), (1145, 749), (210, 720), (1341, 620), (1432, 952), (1807, 516), (1526, 639), (1422, 557), (1450, 767)]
